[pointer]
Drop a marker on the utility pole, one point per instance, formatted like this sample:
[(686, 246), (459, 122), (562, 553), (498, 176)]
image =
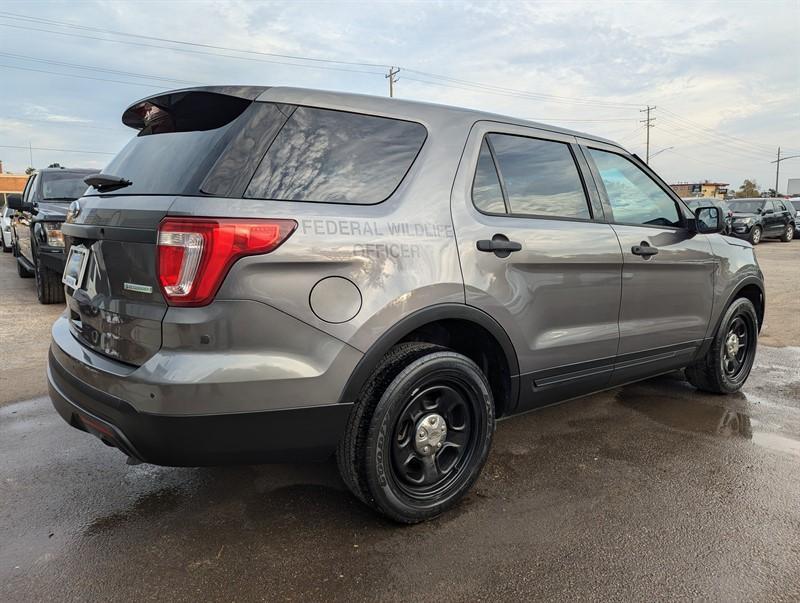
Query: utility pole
[(777, 163), (30, 151), (392, 77), (648, 124)]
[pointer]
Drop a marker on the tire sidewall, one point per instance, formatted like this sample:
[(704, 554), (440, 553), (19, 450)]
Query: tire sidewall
[(753, 239), (739, 306), (383, 488)]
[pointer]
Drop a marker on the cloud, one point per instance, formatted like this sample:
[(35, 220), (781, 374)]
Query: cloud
[(44, 114)]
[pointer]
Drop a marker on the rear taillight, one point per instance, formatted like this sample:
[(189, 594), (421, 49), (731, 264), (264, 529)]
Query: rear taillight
[(195, 254)]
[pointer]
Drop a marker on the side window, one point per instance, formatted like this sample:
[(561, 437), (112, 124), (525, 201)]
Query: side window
[(540, 177), (781, 206), (486, 192), (30, 188), (634, 197), (337, 157)]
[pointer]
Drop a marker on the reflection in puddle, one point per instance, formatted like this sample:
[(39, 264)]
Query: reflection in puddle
[(677, 405), (688, 414)]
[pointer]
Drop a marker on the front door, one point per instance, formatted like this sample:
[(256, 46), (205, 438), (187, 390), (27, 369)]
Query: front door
[(537, 256), (667, 274)]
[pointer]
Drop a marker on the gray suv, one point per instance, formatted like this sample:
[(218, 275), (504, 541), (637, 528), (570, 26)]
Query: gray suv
[(267, 274)]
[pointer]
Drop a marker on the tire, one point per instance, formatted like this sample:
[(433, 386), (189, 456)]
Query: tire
[(755, 235), (411, 385), (6, 248), (788, 233), (49, 288), (716, 372), (22, 271)]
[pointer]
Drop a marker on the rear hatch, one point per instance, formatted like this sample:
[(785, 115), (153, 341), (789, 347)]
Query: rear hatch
[(198, 142)]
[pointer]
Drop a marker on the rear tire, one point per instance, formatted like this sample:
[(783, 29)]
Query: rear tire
[(49, 288), (788, 234), (755, 235), (727, 364), (383, 457)]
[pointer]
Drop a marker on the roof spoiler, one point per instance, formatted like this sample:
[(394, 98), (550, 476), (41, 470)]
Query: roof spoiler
[(136, 116)]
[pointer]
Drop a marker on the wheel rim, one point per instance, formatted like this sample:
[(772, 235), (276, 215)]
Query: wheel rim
[(756, 235), (434, 438), (737, 347), (789, 232)]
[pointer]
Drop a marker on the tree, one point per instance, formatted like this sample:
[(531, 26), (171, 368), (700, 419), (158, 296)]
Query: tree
[(30, 170), (54, 165), (749, 188)]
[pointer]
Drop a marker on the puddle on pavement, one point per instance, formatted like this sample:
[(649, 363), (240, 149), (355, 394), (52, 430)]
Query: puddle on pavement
[(679, 406)]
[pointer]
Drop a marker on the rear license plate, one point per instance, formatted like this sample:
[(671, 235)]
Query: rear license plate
[(75, 267)]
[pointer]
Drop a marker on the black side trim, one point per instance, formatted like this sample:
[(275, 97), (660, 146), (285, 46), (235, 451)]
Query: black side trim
[(420, 318)]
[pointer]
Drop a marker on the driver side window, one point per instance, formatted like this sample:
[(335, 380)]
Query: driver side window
[(634, 197)]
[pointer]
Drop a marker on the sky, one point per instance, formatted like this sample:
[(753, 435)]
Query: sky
[(724, 77)]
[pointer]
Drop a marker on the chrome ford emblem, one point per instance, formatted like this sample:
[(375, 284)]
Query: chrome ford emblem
[(73, 211)]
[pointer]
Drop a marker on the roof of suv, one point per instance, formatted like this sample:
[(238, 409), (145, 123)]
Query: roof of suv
[(347, 101)]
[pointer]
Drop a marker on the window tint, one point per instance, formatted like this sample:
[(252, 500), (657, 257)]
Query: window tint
[(324, 155), (635, 198), (540, 177), (780, 205), (486, 192)]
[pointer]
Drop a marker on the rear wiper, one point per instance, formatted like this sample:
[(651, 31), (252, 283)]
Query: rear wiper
[(106, 182)]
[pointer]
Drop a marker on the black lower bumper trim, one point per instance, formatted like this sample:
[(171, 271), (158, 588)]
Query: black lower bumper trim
[(306, 433)]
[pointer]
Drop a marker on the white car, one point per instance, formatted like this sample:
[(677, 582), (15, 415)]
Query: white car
[(6, 214)]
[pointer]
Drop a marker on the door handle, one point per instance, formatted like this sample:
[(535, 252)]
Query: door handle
[(499, 245), (645, 250)]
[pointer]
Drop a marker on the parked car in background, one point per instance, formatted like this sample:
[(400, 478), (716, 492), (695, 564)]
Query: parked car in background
[(36, 232), (757, 218), (727, 212), (795, 203), (6, 216)]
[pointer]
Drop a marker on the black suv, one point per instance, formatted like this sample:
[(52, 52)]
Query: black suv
[(754, 219), (37, 241)]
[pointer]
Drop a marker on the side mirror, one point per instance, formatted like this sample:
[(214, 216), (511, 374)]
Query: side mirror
[(15, 202), (708, 220)]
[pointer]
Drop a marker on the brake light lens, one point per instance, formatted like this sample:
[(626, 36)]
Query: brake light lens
[(195, 254)]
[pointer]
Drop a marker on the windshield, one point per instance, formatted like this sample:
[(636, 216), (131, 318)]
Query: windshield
[(746, 207), (63, 186)]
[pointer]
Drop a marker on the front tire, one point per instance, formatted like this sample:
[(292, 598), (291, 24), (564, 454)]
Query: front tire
[(727, 364), (419, 434), (755, 235), (788, 233), (49, 288)]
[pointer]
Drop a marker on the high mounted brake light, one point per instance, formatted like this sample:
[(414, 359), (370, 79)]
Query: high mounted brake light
[(195, 254)]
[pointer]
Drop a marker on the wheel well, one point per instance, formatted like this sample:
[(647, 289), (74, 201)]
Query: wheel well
[(477, 344), (756, 297)]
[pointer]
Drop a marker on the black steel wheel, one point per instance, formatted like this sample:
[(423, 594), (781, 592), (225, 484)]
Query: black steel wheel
[(419, 434), (729, 360)]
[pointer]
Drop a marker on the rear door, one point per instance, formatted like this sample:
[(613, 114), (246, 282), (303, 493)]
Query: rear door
[(537, 256), (668, 272)]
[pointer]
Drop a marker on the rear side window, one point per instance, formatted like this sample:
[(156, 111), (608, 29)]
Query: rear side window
[(332, 156), (635, 198), (487, 195), (539, 177)]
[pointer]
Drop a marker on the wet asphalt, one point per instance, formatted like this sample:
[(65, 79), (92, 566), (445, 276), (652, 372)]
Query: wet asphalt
[(649, 492)]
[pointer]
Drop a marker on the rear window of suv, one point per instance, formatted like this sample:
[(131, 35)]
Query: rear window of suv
[(332, 156)]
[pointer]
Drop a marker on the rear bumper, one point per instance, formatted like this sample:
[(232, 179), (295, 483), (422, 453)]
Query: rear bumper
[(308, 433)]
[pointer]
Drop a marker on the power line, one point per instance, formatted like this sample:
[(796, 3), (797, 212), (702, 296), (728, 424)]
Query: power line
[(189, 51), (98, 69), (8, 146), (84, 77), (56, 23)]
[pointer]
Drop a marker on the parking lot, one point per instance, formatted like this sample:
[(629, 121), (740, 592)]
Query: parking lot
[(651, 491)]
